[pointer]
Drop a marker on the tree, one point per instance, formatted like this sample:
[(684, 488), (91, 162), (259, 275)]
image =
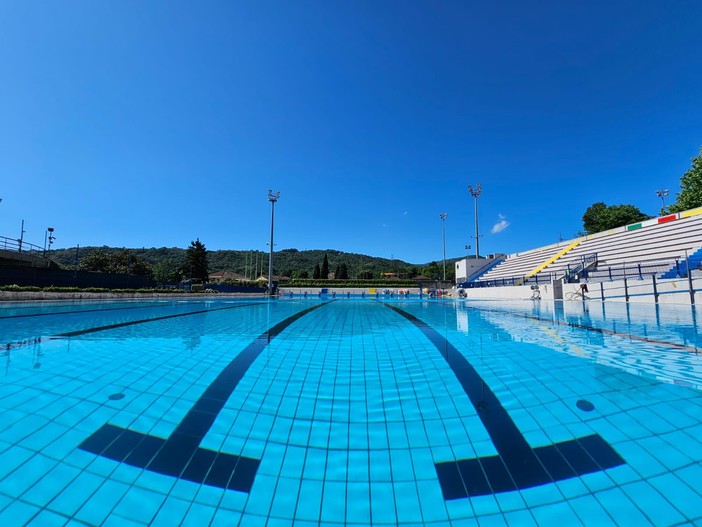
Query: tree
[(342, 272), (432, 271), (196, 262), (325, 268), (690, 195), (601, 217), (301, 274), (316, 273), (120, 261), (165, 271)]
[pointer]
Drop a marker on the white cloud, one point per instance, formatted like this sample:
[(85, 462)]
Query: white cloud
[(500, 225)]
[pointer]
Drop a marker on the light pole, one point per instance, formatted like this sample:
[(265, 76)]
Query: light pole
[(46, 234), (50, 230), (272, 197), (443, 217), (476, 193), (662, 194), (21, 238)]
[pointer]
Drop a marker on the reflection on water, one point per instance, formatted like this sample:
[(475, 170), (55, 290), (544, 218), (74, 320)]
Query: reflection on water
[(654, 341)]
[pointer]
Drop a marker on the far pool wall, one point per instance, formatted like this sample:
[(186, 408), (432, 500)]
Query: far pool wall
[(344, 290), (671, 291)]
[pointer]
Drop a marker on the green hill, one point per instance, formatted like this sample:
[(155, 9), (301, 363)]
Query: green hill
[(287, 262)]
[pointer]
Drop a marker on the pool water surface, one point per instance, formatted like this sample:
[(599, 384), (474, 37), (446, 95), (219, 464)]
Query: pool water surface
[(330, 412)]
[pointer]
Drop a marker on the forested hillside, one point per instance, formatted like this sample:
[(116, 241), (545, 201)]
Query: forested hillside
[(288, 262)]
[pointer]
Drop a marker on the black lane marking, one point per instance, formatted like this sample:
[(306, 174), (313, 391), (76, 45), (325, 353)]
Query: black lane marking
[(37, 340), (145, 320), (517, 465), (180, 455), (163, 304), (590, 328)]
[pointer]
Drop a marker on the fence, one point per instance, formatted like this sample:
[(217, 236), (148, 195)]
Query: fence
[(621, 271), (46, 277)]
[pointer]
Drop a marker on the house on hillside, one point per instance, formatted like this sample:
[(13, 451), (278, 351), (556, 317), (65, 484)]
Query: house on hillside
[(220, 276)]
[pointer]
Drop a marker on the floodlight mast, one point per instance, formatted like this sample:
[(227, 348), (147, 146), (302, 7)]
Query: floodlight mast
[(443, 216), (475, 192), (272, 197), (662, 194)]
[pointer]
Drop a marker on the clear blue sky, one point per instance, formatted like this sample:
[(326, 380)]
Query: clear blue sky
[(144, 124)]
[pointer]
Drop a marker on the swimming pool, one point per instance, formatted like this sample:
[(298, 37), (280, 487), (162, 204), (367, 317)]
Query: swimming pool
[(349, 412)]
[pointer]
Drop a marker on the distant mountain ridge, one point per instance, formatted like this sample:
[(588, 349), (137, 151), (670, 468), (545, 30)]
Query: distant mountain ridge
[(253, 263)]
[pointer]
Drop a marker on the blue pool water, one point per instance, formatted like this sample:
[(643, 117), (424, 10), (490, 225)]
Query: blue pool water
[(349, 412)]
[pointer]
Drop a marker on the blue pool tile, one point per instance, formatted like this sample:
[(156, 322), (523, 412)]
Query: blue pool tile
[(541, 495), (408, 508), (53, 482), (171, 513), (139, 504), (521, 519), (358, 501), (383, 503), (659, 510), (198, 515), (18, 513), (333, 501), (309, 500), (11, 460), (429, 498), (100, 504), (46, 518), (621, 508), (285, 499), (510, 501), (380, 468), (492, 520), (485, 505), (76, 494), (120, 521), (684, 498), (555, 514), (590, 511)]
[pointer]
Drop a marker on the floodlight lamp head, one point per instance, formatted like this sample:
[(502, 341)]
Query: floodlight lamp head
[(443, 215), (273, 196), (50, 229), (475, 192)]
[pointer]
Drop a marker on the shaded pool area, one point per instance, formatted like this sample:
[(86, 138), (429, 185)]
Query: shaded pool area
[(349, 412)]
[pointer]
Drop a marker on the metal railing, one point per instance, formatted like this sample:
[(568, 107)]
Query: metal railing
[(600, 273), (11, 244)]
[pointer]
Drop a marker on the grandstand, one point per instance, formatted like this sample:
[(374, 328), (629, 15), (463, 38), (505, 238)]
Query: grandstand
[(658, 246)]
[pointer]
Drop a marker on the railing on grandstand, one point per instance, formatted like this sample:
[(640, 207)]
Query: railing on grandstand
[(10, 244), (606, 273), (572, 273)]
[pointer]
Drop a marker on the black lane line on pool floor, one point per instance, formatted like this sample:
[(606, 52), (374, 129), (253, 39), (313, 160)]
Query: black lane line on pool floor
[(180, 455), (36, 340), (517, 465), (27, 315), (145, 320)]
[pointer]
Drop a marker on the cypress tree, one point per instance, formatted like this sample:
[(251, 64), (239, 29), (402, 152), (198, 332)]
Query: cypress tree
[(316, 273), (342, 272), (325, 268)]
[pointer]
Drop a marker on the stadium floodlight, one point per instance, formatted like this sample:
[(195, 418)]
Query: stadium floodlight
[(272, 197), (475, 192), (443, 216)]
